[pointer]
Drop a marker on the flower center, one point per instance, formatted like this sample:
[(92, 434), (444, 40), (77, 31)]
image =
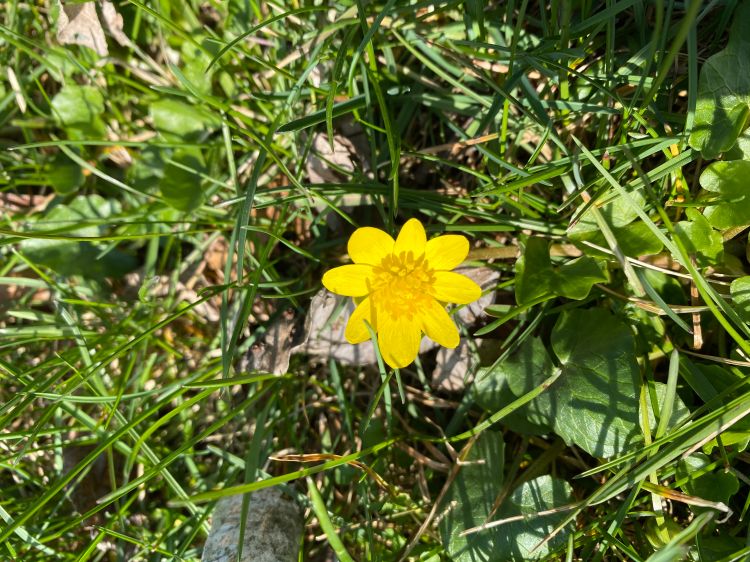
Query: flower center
[(402, 283)]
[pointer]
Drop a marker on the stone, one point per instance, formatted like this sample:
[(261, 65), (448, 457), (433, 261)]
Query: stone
[(273, 529)]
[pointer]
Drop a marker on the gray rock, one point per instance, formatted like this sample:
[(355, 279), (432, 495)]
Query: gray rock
[(273, 529)]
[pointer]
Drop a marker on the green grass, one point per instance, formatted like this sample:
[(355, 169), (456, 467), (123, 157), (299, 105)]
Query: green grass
[(157, 215)]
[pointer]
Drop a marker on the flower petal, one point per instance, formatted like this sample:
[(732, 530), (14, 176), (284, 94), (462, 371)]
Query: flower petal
[(437, 324), (351, 280), (369, 245), (411, 238), (446, 252), (398, 339), (454, 287), (356, 330)]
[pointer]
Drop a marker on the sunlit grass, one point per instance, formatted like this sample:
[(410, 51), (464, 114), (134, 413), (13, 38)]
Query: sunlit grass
[(154, 229)]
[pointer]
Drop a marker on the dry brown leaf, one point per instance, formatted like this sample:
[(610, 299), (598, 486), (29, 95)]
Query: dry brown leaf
[(486, 278), (272, 352), (78, 24), (114, 24), (325, 333), (16, 87), (323, 162), (452, 367)]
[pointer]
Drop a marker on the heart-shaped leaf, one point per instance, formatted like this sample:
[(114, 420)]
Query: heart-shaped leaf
[(728, 180), (470, 499), (538, 278), (594, 402), (700, 239), (724, 91), (78, 110), (181, 184)]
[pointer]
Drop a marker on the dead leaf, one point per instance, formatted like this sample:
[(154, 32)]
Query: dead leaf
[(329, 165), (114, 24), (487, 279), (272, 352), (78, 24), (16, 87), (325, 324), (452, 367)]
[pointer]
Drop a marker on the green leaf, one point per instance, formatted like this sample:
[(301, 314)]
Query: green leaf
[(595, 402), (634, 239), (741, 148), (740, 291), (78, 110), (537, 278), (181, 188), (520, 373), (196, 66), (575, 278), (718, 547), (471, 496), (708, 381), (700, 239), (618, 213), (64, 175), (716, 486), (724, 91), (180, 121), (519, 538), (70, 258), (729, 181)]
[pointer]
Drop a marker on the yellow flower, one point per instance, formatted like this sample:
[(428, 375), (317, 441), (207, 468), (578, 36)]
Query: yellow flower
[(401, 288)]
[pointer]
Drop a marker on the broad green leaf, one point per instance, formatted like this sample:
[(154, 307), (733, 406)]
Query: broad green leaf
[(575, 278), (595, 401), (717, 486), (741, 148), (700, 238), (523, 371), (718, 547), (729, 181), (740, 291), (708, 381), (518, 540), (177, 120), (64, 175), (180, 187), (618, 214), (537, 277), (724, 91), (471, 496), (649, 329), (195, 67), (667, 286), (147, 168), (78, 110), (634, 239), (69, 258), (534, 272)]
